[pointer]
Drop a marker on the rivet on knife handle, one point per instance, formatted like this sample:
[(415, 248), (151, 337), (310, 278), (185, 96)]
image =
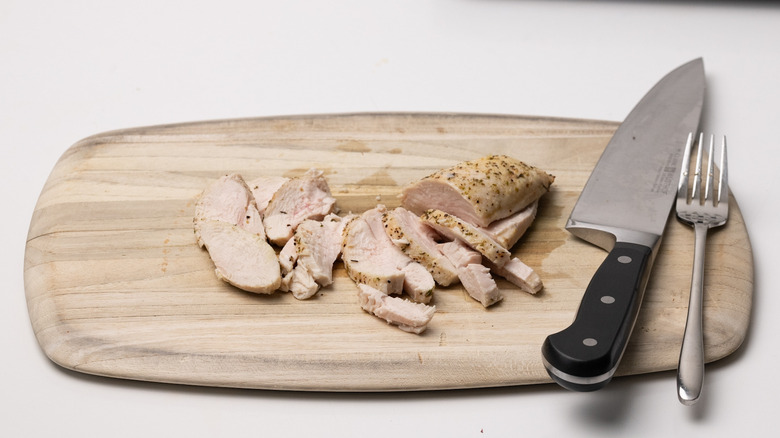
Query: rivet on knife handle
[(584, 356)]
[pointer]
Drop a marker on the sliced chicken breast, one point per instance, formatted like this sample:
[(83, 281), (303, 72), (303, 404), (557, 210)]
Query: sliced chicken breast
[(370, 257), (228, 199), (418, 241), (316, 246), (301, 283), (480, 191), (479, 284), (301, 198), (253, 221), (408, 316), (509, 230), (366, 263), (418, 282), (288, 256), (455, 228), (242, 259), (460, 254), (519, 274), (263, 189), (474, 276)]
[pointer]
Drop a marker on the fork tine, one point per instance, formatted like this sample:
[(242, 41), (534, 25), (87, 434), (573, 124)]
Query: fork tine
[(723, 180), (682, 186), (696, 193), (710, 171)]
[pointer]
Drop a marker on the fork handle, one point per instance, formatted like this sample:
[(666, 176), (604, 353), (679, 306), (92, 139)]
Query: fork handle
[(690, 370)]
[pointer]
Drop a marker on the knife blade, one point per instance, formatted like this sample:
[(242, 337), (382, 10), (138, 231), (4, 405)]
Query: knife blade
[(624, 208)]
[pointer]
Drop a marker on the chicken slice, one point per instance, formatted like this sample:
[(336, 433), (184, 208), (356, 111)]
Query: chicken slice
[(459, 254), (228, 199), (519, 274), (418, 241), (474, 276), (479, 284), (371, 258), (455, 228), (366, 263), (302, 283), (287, 258), (408, 316), (418, 282), (480, 191), (301, 198), (318, 244), (242, 259), (253, 221), (509, 230), (313, 250), (263, 189)]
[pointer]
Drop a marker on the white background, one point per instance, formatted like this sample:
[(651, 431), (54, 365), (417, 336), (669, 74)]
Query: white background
[(76, 68)]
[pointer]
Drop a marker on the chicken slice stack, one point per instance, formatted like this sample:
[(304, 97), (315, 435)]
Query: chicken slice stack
[(483, 207)]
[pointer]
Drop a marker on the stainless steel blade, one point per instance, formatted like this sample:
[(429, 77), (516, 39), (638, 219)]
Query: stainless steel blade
[(630, 193)]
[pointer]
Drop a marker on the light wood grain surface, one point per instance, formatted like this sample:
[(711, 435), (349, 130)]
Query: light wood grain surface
[(116, 285)]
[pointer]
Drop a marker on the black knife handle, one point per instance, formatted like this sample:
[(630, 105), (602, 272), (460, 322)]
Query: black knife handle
[(584, 356)]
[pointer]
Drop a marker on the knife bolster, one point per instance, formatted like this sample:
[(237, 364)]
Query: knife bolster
[(605, 236)]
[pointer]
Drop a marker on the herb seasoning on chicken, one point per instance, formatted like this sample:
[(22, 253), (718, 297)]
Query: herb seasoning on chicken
[(480, 191)]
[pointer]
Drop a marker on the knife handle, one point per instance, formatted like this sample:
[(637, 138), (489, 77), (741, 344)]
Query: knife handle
[(584, 356)]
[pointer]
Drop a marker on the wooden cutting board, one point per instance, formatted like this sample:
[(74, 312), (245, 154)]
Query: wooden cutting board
[(116, 285)]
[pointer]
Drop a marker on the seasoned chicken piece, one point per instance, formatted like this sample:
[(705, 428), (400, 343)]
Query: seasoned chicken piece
[(305, 197), (455, 228), (474, 276), (228, 199), (367, 264), (418, 241), (253, 221), (319, 244), (288, 256), (284, 284), (242, 259), (459, 254), (418, 282), (509, 230), (480, 191), (263, 189), (314, 248), (302, 284), (371, 258), (519, 274), (479, 284), (408, 316)]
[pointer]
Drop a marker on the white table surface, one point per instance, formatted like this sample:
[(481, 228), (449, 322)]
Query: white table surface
[(72, 69)]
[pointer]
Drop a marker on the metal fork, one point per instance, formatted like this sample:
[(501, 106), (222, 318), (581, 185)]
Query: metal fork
[(702, 213)]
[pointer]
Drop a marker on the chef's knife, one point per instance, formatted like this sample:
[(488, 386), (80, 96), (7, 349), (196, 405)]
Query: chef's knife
[(624, 208)]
